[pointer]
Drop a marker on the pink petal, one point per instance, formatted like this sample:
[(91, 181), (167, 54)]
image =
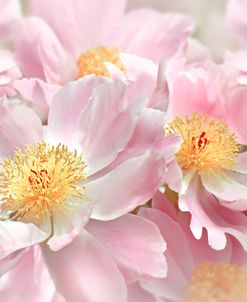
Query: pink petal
[(84, 24), (141, 75), (102, 142), (236, 18), (236, 113), (194, 85), (10, 261), (83, 271), (23, 283), (37, 92), (17, 235), (134, 242), (68, 224), (160, 202), (174, 176), (227, 185), (180, 261), (138, 294), (206, 212), (149, 135), (159, 99), (16, 130), (66, 108), (129, 185), (162, 36), (174, 236), (40, 54), (9, 15)]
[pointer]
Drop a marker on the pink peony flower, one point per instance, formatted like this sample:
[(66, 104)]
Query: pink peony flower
[(195, 271), (56, 49), (9, 72), (69, 186), (207, 107)]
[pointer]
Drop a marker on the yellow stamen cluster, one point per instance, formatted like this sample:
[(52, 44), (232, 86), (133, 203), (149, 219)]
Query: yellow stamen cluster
[(92, 61), (217, 282), (207, 143), (37, 181)]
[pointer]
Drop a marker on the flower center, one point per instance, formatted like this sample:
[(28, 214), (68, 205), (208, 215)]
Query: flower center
[(38, 181), (207, 143), (92, 61), (217, 282)]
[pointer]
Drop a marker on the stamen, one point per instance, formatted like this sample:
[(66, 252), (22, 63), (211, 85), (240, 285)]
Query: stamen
[(38, 181), (217, 282), (92, 61), (207, 143)]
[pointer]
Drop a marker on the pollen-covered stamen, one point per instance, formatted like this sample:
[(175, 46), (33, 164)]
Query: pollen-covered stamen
[(39, 181), (207, 143), (93, 61), (217, 282)]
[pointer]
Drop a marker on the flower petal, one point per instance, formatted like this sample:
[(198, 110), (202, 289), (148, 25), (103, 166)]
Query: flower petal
[(16, 130), (107, 124), (162, 36), (83, 271), (24, 283), (84, 25), (138, 294), (66, 108), (206, 212), (9, 15), (134, 242), (38, 92), (127, 186), (68, 224), (16, 235), (226, 185), (40, 54)]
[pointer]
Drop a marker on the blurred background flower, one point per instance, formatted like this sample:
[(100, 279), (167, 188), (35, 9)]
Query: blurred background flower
[(211, 27)]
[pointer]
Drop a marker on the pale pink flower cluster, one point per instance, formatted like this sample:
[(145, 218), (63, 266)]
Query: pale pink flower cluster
[(123, 154)]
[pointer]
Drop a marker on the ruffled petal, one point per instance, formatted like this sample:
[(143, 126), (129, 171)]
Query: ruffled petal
[(84, 271), (173, 234), (180, 261), (206, 212)]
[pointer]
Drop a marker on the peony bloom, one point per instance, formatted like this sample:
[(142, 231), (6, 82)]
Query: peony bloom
[(207, 107), (9, 72), (51, 50), (196, 273), (90, 35), (69, 186)]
